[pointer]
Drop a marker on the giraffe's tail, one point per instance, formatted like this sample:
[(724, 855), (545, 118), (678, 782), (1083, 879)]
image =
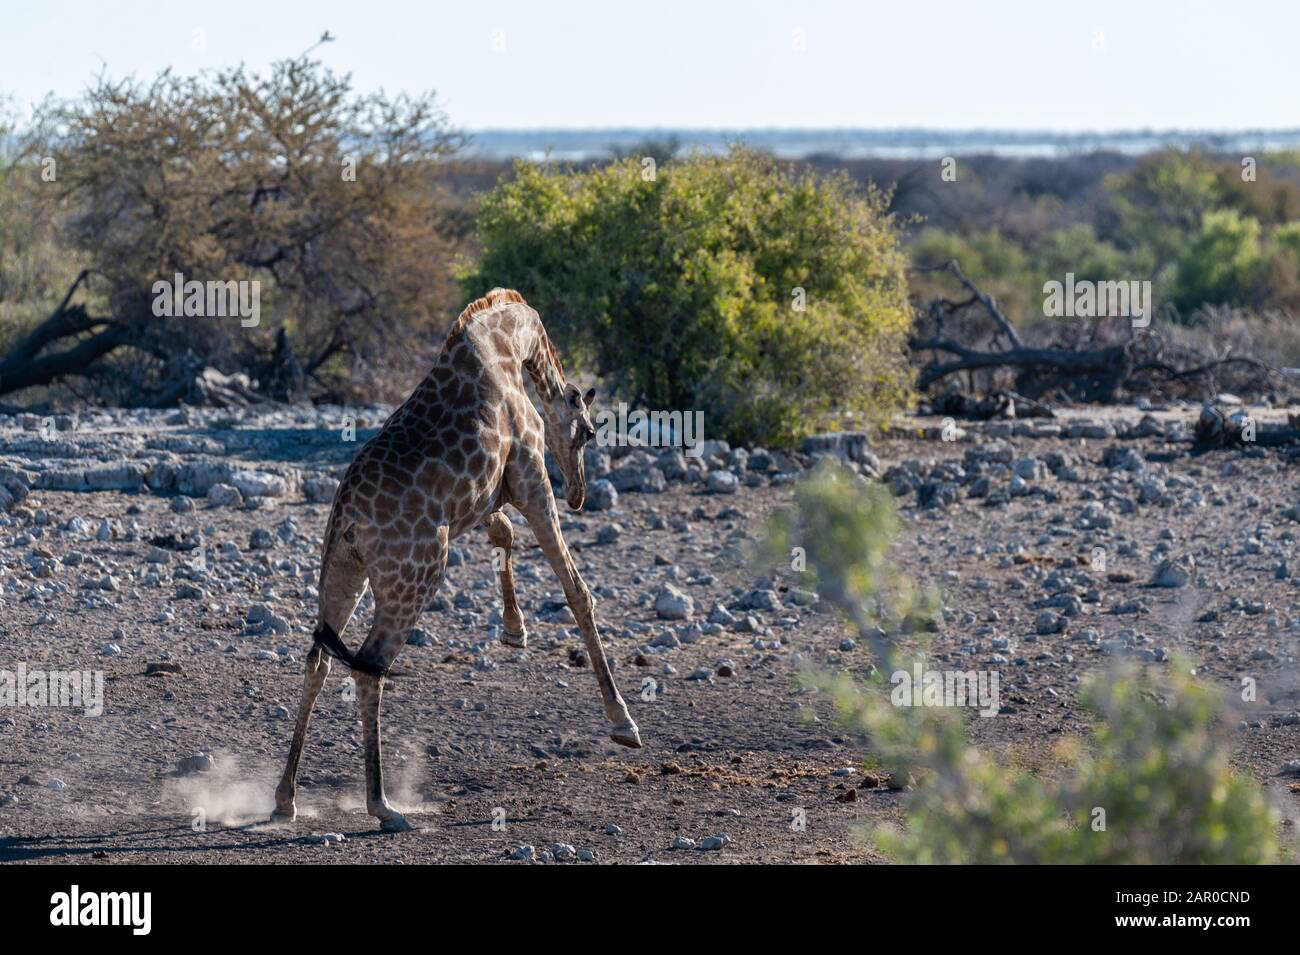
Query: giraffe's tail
[(329, 641)]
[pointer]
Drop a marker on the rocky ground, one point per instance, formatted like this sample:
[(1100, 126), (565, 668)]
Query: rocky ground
[(177, 553)]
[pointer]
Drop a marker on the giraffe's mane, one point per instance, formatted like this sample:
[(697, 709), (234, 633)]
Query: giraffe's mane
[(494, 298), (498, 296)]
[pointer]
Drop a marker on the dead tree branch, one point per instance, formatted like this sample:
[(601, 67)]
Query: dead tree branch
[(1095, 373), (977, 295)]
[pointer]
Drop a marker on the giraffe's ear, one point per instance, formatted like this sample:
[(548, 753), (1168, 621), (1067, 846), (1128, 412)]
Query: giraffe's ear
[(589, 397)]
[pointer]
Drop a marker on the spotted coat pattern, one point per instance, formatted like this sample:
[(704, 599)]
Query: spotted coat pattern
[(468, 441)]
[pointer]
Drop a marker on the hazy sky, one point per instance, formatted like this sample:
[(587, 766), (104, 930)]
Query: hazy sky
[(938, 63)]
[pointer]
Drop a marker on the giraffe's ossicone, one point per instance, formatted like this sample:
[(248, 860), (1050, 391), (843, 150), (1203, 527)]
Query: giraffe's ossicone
[(468, 441)]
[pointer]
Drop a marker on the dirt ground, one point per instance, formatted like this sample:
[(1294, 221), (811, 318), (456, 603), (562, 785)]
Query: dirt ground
[(489, 748)]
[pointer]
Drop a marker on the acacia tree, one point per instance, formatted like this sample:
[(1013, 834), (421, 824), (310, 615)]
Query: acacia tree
[(327, 198), (34, 271)]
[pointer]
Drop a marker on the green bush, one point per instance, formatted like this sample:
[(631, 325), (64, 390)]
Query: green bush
[(680, 287), (1197, 224), (1014, 273), (1160, 204), (34, 270), (1221, 262), (842, 526), (1278, 281), (999, 263), (1287, 236), (1152, 785), (1077, 249)]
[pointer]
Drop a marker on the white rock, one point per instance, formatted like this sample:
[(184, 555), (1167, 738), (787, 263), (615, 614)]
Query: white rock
[(1175, 573), (259, 484), (722, 482), (601, 496), (672, 604), (225, 495)]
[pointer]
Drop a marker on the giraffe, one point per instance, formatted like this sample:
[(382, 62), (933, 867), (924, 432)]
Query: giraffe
[(466, 442)]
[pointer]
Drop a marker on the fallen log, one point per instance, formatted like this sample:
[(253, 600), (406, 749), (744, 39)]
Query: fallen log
[(211, 388), (1095, 373), (999, 403), (1221, 428), (1098, 372)]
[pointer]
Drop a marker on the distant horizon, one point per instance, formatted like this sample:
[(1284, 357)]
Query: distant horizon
[(999, 130), (578, 143)]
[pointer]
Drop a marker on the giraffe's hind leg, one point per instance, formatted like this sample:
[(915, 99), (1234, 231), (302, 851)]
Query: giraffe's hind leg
[(399, 599), (341, 583), (513, 632)]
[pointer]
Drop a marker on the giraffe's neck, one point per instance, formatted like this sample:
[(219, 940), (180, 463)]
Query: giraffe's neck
[(529, 344), (541, 362)]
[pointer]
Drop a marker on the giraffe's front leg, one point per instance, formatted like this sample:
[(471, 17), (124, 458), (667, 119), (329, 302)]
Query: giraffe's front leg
[(502, 536), (545, 522), (583, 606)]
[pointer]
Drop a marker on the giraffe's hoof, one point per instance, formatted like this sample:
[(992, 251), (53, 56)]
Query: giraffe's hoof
[(627, 734), (519, 639), (285, 813), (394, 823)]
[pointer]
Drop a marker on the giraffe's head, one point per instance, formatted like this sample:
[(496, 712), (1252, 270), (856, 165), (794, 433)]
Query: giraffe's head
[(568, 429)]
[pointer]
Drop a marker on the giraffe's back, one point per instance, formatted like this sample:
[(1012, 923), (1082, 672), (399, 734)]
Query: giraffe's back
[(440, 458)]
